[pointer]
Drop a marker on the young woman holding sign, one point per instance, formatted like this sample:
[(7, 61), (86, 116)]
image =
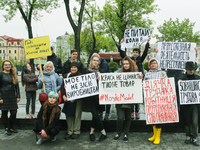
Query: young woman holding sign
[(124, 110), (51, 80), (72, 108), (91, 104), (155, 72), (9, 95)]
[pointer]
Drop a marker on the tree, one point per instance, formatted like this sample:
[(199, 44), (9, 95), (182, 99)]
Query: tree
[(175, 31), (29, 9), (113, 66), (118, 15), (146, 66), (76, 28)]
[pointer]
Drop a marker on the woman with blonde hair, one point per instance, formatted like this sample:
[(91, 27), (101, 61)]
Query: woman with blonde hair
[(124, 110), (9, 96)]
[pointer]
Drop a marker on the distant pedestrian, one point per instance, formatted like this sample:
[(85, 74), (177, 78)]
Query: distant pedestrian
[(51, 79), (29, 79), (9, 96), (47, 122)]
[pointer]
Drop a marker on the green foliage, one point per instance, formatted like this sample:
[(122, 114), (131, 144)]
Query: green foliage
[(28, 7), (196, 66), (146, 66), (83, 61), (118, 15), (113, 66), (175, 31)]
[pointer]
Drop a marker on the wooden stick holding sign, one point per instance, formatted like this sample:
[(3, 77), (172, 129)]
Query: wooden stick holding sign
[(41, 74)]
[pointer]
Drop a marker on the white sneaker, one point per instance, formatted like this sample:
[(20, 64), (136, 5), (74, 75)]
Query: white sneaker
[(40, 141)]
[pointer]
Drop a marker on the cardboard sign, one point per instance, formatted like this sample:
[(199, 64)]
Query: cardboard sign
[(43, 60), (160, 101), (174, 55), (37, 47), (81, 86), (135, 37), (120, 88), (189, 92)]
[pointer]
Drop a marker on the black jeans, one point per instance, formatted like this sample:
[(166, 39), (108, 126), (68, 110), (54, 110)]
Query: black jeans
[(123, 120), (30, 97), (96, 122)]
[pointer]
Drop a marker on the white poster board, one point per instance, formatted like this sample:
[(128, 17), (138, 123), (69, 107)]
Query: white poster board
[(160, 101), (120, 88), (135, 37), (81, 86), (174, 55), (189, 92)]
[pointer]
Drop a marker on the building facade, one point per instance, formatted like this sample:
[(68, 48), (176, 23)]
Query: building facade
[(11, 48)]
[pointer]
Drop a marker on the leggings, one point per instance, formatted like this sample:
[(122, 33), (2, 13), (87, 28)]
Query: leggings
[(8, 122), (96, 122)]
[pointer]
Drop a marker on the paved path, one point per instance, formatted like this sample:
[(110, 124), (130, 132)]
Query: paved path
[(25, 140)]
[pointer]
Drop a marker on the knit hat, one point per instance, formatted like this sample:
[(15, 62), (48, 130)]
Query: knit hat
[(190, 65), (74, 64), (25, 70), (95, 54)]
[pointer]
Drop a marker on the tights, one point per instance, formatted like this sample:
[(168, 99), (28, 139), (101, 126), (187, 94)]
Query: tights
[(8, 122)]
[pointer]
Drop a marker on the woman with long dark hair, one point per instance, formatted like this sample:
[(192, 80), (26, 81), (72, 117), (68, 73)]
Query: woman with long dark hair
[(9, 96)]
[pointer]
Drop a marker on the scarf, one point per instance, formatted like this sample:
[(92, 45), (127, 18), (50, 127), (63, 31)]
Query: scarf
[(93, 68), (55, 110)]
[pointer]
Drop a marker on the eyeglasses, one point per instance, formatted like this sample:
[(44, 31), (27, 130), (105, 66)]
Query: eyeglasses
[(7, 64), (153, 63)]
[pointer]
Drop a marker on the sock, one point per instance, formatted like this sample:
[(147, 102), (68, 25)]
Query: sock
[(103, 132)]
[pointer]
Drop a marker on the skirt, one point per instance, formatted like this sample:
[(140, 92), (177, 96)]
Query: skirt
[(9, 101)]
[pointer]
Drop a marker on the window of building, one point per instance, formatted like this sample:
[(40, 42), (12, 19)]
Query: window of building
[(9, 44), (3, 44), (15, 58), (9, 51), (0, 44), (4, 51), (0, 51), (9, 57), (15, 51)]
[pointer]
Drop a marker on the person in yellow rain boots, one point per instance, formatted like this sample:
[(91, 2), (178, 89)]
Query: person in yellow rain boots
[(155, 72), (156, 135)]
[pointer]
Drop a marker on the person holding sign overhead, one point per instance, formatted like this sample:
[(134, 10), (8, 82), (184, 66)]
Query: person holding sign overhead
[(189, 112), (91, 104), (138, 60), (155, 72), (72, 108), (51, 80), (9, 96), (124, 110)]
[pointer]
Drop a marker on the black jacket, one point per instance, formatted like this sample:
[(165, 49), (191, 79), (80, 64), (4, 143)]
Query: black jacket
[(139, 60), (66, 66), (6, 84), (56, 61)]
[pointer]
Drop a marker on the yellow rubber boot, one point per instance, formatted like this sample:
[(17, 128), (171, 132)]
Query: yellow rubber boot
[(154, 134), (157, 140)]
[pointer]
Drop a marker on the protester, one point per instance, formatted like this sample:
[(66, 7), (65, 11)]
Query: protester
[(106, 69), (124, 110), (47, 122), (29, 79), (155, 72), (73, 58), (138, 60), (9, 96), (72, 108), (91, 104), (189, 113), (56, 62), (51, 79)]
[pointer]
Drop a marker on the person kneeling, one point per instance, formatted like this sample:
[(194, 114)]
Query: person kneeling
[(47, 122)]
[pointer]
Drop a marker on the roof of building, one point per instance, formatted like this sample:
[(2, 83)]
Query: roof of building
[(107, 56), (11, 39)]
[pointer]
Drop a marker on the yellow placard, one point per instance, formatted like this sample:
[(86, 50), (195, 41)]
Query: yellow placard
[(37, 47)]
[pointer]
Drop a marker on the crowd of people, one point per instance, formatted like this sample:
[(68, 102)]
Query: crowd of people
[(53, 93)]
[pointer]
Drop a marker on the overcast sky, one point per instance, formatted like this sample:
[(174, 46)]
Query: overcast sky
[(56, 23)]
